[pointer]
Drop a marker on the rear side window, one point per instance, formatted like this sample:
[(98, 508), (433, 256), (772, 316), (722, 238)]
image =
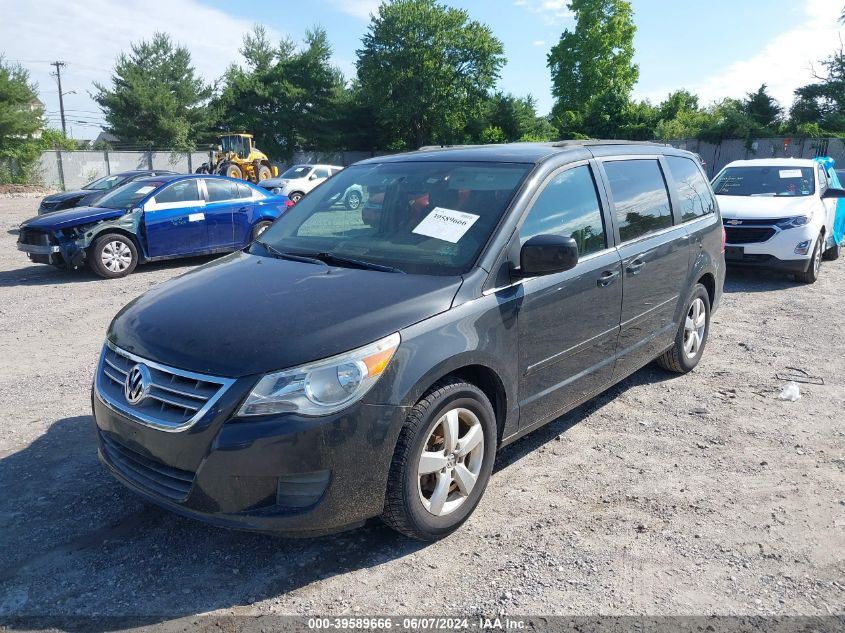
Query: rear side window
[(640, 197), (220, 190), (693, 190), (568, 206), (321, 172), (182, 191), (245, 191)]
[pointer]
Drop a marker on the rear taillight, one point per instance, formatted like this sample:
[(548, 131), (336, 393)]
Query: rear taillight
[(724, 238), (290, 203)]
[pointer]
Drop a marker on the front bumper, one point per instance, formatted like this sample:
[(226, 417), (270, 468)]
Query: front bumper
[(748, 260), (281, 474), (37, 249)]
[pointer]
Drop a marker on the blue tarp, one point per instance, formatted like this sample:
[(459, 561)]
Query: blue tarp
[(839, 219)]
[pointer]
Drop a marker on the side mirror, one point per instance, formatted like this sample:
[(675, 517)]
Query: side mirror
[(833, 193), (312, 177), (546, 254)]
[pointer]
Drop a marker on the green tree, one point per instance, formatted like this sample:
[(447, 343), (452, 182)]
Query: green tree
[(19, 122), (676, 103), (154, 97), (823, 102), (763, 109), (425, 70), (592, 68), (288, 98)]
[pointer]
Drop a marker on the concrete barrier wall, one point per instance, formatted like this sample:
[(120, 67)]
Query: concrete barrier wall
[(71, 170)]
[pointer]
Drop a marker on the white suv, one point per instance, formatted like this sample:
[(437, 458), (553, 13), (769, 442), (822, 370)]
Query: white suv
[(299, 180), (778, 213)]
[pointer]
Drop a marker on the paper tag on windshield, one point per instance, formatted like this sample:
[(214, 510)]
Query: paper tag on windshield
[(790, 173), (446, 224), (143, 190)]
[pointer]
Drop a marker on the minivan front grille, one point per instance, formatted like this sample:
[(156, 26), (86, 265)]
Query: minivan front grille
[(748, 235), (146, 472), (165, 397)]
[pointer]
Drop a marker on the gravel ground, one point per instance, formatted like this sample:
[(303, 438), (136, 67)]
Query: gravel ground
[(700, 494)]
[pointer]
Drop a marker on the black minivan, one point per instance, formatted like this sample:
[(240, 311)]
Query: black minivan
[(337, 370)]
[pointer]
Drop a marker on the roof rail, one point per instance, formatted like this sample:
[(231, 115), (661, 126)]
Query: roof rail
[(589, 141)]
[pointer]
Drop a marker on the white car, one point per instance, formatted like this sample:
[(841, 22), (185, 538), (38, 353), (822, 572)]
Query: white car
[(778, 213), (299, 180)]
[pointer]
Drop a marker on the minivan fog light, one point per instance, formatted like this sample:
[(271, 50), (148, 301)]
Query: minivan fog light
[(324, 386), (803, 247)]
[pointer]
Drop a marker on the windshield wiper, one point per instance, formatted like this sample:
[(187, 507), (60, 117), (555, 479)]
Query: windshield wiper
[(331, 258), (291, 256)]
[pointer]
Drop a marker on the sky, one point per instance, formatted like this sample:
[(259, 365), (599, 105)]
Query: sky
[(715, 48)]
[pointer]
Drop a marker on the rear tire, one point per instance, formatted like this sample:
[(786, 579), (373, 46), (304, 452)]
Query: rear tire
[(113, 255), (692, 334), (450, 436), (233, 171), (259, 228), (811, 275)]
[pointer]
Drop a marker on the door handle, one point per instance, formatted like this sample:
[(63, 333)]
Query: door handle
[(635, 266), (243, 209), (607, 278)]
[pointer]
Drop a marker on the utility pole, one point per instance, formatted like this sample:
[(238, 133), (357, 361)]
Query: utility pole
[(59, 66)]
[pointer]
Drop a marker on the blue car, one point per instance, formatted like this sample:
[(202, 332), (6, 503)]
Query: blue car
[(155, 218)]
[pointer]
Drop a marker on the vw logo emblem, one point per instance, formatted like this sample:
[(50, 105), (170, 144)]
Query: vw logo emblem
[(733, 222), (137, 384)]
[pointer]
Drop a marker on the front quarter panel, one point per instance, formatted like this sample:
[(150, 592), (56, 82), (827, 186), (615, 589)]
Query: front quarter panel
[(481, 332)]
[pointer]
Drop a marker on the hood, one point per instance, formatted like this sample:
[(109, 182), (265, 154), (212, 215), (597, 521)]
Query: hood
[(67, 195), (765, 207), (71, 217), (274, 182), (244, 314)]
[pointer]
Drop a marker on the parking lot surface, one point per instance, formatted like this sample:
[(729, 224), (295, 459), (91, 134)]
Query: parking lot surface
[(696, 494)]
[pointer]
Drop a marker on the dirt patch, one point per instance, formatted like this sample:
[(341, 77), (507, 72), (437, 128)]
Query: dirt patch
[(699, 494)]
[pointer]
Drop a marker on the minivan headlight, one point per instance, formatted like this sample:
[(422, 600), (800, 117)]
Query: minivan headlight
[(324, 386), (791, 223)]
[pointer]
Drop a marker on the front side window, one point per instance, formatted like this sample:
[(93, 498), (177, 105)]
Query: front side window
[(823, 184), (220, 190), (639, 196), (775, 180), (182, 191), (568, 206), (693, 189), (423, 217)]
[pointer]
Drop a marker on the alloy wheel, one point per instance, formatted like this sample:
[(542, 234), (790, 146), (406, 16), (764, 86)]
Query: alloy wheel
[(116, 256), (694, 327), (450, 461), (817, 257)]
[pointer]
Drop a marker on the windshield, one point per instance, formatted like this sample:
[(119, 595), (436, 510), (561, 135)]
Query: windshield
[(419, 217), (297, 171), (104, 183), (780, 180), (237, 144), (128, 195)]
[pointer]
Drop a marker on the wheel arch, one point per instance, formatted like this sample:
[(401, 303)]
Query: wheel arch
[(708, 280), (473, 372), (101, 230)]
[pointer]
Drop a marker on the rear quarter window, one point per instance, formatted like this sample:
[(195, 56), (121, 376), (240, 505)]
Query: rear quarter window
[(640, 197), (694, 191)]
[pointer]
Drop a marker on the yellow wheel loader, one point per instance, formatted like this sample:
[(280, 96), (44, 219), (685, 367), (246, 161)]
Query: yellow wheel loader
[(237, 157)]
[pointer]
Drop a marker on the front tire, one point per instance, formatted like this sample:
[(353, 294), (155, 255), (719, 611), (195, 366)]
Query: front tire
[(113, 256), (264, 173), (442, 462), (811, 275), (353, 200), (692, 334), (295, 197)]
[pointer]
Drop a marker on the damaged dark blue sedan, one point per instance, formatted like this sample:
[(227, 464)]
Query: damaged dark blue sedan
[(161, 217)]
